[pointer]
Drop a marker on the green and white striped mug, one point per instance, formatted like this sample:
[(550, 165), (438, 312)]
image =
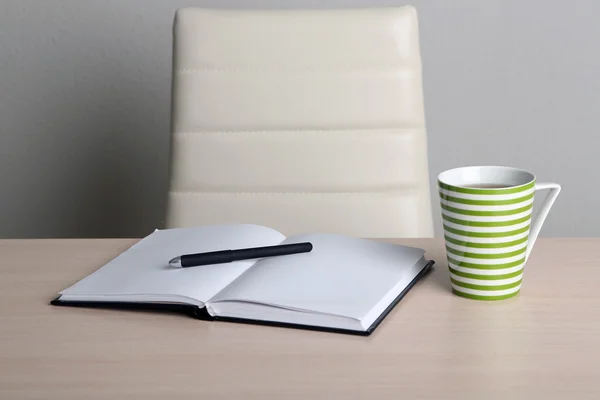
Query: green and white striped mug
[(488, 228)]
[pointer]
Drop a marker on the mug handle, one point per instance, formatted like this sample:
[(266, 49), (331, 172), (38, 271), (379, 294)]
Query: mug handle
[(536, 225)]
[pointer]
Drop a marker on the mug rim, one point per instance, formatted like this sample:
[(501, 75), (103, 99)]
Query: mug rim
[(441, 179)]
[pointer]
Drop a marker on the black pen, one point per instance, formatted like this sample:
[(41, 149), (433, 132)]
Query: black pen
[(227, 256)]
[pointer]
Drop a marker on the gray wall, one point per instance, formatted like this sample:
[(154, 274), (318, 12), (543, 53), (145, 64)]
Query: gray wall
[(85, 91)]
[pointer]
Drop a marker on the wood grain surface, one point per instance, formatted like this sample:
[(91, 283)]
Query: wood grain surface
[(545, 343)]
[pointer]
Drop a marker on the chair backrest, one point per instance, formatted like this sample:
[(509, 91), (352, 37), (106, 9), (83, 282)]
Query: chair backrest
[(300, 120)]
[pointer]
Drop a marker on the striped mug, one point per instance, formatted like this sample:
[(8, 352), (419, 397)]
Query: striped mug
[(488, 229)]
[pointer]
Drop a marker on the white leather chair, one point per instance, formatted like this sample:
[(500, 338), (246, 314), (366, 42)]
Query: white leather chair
[(300, 120)]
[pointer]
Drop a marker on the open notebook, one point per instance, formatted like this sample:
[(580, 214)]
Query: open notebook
[(344, 284)]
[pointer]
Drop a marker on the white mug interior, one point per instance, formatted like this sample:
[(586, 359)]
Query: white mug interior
[(480, 175)]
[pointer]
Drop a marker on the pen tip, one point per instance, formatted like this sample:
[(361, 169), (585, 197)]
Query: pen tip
[(175, 262)]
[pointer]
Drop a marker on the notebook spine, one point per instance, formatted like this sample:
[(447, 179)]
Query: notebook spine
[(202, 314)]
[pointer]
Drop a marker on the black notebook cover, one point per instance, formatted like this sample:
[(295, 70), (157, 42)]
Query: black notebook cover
[(202, 314)]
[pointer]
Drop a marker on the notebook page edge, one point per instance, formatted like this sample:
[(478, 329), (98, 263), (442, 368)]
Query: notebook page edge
[(278, 306), (263, 313), (132, 298), (394, 292)]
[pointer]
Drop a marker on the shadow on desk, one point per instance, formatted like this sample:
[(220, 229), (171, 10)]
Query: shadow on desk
[(440, 277)]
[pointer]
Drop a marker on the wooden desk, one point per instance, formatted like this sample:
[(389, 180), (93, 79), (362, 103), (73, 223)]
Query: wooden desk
[(543, 344)]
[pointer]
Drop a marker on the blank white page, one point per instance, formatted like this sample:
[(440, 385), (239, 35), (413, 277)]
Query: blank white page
[(143, 270), (342, 276)]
